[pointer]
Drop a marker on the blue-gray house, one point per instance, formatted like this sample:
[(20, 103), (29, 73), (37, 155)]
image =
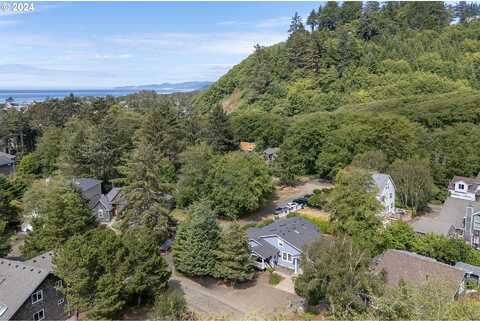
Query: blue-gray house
[(281, 242)]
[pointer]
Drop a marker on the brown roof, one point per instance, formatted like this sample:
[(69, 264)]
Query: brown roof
[(247, 147), (472, 182), (415, 269)]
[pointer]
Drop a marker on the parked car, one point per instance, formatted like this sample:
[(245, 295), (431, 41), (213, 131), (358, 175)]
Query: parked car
[(302, 201)]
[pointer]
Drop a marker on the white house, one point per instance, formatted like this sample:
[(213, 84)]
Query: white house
[(386, 192), (465, 188)]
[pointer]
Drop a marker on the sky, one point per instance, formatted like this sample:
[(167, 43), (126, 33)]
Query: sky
[(88, 45)]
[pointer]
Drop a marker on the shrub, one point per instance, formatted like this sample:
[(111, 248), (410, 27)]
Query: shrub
[(274, 278)]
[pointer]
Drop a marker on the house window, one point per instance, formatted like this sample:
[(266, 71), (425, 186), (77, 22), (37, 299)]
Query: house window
[(391, 195), (100, 213), (287, 257), (40, 315), (58, 284), (280, 243), (61, 301), (461, 186), (37, 296)]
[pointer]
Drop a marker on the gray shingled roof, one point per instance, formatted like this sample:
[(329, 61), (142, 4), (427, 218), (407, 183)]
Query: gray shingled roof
[(43, 261), (271, 151), (416, 269), (468, 268), (294, 230), (6, 159), (18, 280), (380, 180), (452, 213), (262, 248), (86, 183), (113, 193)]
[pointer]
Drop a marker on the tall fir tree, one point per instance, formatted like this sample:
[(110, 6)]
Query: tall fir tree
[(219, 131), (151, 272), (63, 214), (312, 20), (108, 300), (233, 258), (149, 179), (195, 242)]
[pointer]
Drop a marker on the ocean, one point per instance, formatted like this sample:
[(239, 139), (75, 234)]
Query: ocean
[(23, 97)]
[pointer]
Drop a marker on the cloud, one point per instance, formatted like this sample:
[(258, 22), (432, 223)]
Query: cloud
[(274, 22), (232, 23), (31, 71), (200, 43), (8, 23), (104, 57)]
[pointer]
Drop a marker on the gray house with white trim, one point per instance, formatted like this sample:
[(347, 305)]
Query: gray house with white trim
[(281, 243), (385, 191), (104, 206)]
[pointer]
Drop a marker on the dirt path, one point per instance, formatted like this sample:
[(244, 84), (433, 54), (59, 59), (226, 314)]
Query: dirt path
[(209, 298)]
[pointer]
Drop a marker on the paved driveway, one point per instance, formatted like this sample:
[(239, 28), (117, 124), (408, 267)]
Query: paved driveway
[(257, 299)]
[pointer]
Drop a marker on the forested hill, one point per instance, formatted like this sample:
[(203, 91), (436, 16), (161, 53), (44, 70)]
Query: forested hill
[(412, 65)]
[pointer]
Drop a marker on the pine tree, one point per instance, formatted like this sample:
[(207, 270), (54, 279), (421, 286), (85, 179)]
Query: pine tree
[(151, 272), (233, 257), (149, 178), (328, 18), (196, 239), (108, 298), (312, 20), (350, 11), (218, 131), (296, 25), (63, 215)]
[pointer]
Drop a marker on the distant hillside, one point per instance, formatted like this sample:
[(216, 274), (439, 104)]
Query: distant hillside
[(352, 55), (398, 80), (170, 87)]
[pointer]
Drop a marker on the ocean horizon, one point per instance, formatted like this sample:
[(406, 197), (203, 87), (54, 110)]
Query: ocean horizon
[(25, 96)]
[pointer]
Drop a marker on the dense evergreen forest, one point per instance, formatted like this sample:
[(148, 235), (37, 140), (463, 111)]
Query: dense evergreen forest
[(398, 77), (391, 87)]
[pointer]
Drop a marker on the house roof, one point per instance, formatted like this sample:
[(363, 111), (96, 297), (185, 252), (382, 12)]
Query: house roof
[(415, 269), (17, 282), (43, 261), (262, 248), (381, 180), (472, 182), (86, 183), (271, 151), (451, 215), (247, 147), (6, 159), (113, 193), (295, 230), (468, 268)]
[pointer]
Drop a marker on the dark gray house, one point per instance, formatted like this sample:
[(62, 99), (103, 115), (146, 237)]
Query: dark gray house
[(7, 163), (103, 206), (281, 243), (29, 290)]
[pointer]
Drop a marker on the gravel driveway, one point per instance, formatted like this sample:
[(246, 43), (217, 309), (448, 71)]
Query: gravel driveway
[(257, 299)]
